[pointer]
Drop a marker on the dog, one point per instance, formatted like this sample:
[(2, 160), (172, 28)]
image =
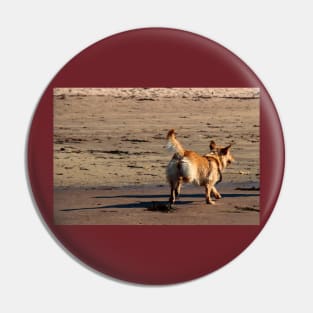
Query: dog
[(187, 166)]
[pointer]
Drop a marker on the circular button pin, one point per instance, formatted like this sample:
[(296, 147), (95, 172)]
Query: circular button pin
[(155, 156)]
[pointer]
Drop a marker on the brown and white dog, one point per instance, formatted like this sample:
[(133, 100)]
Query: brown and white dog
[(190, 167)]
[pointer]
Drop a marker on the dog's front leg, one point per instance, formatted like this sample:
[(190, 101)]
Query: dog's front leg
[(216, 194), (208, 189), (172, 196)]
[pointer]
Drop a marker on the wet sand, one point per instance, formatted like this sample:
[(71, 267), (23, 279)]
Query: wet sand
[(110, 160), (137, 205)]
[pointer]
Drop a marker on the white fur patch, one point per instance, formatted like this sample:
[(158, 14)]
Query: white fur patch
[(170, 147), (188, 170)]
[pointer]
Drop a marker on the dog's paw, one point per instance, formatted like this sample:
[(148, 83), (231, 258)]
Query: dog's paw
[(210, 201)]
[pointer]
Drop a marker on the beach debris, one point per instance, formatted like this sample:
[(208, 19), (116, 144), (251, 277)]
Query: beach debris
[(145, 99), (134, 166), (247, 208), (244, 172), (134, 140)]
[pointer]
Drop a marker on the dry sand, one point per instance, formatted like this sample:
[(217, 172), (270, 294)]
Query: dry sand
[(109, 156)]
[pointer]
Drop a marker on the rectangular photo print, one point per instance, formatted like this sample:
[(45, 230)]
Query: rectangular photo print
[(156, 156)]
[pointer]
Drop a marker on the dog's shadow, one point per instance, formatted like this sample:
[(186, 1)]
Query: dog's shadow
[(148, 205), (160, 205)]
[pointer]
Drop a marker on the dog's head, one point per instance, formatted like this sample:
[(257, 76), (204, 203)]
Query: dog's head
[(223, 153)]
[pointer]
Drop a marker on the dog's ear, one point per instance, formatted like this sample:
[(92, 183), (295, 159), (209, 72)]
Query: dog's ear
[(212, 145), (225, 150)]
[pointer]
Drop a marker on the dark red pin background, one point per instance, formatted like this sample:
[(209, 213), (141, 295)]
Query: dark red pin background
[(154, 57)]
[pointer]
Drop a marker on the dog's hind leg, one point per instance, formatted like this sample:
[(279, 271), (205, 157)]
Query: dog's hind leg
[(178, 186)]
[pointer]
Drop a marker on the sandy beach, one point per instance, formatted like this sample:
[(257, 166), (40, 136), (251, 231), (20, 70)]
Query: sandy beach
[(110, 156)]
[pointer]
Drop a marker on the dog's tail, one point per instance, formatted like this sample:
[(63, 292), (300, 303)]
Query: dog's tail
[(173, 144)]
